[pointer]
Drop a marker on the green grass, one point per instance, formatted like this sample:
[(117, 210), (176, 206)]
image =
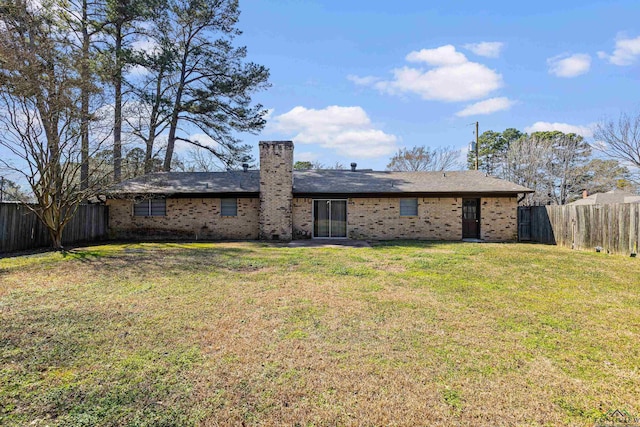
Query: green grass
[(404, 333)]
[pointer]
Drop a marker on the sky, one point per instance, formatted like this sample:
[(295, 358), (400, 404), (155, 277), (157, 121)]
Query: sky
[(354, 81)]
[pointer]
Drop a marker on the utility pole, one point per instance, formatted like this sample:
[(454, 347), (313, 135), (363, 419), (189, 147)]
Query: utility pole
[(477, 149)]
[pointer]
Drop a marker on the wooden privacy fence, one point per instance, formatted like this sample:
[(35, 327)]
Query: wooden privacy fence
[(615, 228), (20, 229)]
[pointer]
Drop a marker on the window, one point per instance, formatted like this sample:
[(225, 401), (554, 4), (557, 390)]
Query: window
[(150, 207), (229, 207), (408, 207)]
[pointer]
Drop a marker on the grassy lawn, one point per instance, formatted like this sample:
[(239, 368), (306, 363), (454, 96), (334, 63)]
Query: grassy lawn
[(252, 334)]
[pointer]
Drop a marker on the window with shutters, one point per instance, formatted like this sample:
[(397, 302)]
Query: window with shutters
[(408, 207), (229, 207), (150, 207)]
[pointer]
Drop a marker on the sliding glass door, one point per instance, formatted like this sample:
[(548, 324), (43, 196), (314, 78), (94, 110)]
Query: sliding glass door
[(330, 218)]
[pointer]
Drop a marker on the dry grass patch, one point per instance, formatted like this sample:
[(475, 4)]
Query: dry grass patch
[(252, 334)]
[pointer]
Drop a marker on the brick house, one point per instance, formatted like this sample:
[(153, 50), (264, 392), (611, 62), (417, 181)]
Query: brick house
[(279, 203)]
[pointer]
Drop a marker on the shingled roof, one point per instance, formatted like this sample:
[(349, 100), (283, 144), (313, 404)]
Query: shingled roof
[(610, 197), (320, 182), (385, 182), (170, 183)]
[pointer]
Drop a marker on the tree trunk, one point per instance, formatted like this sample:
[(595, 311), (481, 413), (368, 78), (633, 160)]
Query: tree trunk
[(148, 154), (153, 126), (171, 141), (117, 109), (84, 107), (56, 239)]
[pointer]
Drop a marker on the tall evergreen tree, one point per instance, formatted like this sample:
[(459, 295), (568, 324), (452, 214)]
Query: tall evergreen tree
[(211, 85), (85, 18), (492, 149), (122, 17)]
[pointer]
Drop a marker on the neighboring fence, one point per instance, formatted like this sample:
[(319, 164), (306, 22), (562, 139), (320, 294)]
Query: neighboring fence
[(615, 228), (20, 229)]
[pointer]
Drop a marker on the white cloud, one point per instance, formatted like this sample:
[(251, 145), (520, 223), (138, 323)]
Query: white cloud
[(452, 78), (487, 106), (569, 65), (137, 71), (306, 156), (269, 114), (363, 81), (585, 131), (145, 45), (626, 52), (487, 49), (347, 130), (438, 57)]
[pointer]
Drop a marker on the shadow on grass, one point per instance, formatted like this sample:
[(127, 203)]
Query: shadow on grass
[(170, 256), (27, 252)]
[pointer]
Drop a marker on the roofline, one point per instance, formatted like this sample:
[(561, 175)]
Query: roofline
[(241, 195), (413, 194), (253, 194)]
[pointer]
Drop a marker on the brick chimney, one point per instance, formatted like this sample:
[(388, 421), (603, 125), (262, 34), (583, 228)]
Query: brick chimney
[(276, 190)]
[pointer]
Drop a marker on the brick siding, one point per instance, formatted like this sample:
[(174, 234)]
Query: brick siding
[(302, 218), (277, 215), (379, 218), (499, 219), (439, 218), (276, 190), (189, 218)]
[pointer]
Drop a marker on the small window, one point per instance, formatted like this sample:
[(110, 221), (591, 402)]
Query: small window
[(229, 207), (408, 207), (150, 207)]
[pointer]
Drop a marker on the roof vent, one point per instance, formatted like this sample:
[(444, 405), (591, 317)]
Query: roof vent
[(245, 166), (444, 174), (354, 165)]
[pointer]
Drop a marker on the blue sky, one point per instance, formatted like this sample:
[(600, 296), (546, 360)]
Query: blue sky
[(356, 80)]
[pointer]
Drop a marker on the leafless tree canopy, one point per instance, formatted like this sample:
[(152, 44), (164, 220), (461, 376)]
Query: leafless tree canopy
[(526, 161), (424, 159), (620, 139), (554, 164), (39, 111)]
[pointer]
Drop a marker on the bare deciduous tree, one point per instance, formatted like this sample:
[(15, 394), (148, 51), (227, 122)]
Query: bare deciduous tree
[(40, 91), (203, 161), (620, 139), (11, 191), (526, 161), (606, 175), (554, 164), (565, 172), (424, 159)]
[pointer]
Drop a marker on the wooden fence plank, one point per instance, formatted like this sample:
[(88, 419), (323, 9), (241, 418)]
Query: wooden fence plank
[(615, 228), (20, 228)]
